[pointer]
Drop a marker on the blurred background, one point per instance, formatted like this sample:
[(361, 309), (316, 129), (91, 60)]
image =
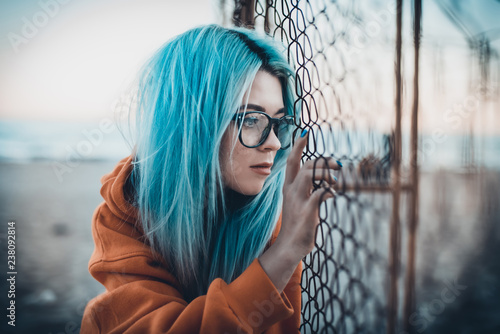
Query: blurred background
[(65, 73), (65, 67)]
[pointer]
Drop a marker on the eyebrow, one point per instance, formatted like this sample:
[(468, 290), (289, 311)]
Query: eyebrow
[(260, 108)]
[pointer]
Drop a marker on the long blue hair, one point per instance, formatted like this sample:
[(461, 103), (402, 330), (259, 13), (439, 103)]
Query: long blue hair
[(188, 92)]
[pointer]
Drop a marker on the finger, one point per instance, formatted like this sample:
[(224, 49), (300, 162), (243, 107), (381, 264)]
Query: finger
[(321, 195), (309, 176), (323, 162), (293, 161)]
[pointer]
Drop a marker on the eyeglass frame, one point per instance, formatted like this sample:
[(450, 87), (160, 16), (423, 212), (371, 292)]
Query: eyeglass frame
[(270, 127)]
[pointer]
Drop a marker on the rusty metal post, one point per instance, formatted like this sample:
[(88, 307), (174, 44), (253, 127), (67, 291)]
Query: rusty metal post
[(395, 230), (409, 301), (267, 25), (244, 13)]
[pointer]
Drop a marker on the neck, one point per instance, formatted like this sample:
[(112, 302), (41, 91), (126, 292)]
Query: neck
[(236, 200)]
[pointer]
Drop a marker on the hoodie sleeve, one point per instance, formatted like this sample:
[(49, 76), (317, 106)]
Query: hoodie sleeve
[(143, 297)]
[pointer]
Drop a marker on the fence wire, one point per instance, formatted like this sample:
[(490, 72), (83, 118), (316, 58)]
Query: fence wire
[(346, 279)]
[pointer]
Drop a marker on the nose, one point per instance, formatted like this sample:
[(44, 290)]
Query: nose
[(272, 142)]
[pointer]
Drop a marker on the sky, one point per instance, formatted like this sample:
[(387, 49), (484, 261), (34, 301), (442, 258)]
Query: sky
[(70, 60), (80, 54)]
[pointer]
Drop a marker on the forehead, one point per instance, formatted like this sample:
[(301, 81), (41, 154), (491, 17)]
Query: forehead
[(266, 91)]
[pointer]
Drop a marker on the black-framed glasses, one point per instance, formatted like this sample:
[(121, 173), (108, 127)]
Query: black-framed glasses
[(256, 126)]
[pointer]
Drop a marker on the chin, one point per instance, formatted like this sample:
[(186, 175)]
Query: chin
[(250, 190)]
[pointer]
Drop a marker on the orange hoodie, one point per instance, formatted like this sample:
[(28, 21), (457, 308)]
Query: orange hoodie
[(143, 297)]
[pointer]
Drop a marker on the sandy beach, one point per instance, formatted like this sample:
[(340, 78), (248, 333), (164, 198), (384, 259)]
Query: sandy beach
[(53, 242)]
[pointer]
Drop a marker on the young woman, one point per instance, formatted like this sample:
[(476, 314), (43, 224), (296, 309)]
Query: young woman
[(203, 227)]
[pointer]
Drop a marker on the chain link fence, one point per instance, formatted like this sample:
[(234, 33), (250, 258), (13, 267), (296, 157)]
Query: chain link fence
[(352, 281), (359, 65)]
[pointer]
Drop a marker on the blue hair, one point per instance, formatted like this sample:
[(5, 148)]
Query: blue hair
[(188, 92)]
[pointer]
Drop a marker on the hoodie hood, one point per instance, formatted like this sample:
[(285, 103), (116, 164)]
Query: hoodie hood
[(113, 193), (120, 243)]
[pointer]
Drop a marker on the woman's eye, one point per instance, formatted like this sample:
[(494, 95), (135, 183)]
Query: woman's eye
[(250, 121)]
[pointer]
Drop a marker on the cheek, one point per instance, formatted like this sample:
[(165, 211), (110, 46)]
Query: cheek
[(229, 163), (233, 166)]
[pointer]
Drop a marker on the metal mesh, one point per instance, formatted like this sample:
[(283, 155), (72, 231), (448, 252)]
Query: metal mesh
[(349, 282), (354, 82)]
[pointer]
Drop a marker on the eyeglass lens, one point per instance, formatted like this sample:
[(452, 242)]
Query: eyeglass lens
[(255, 129)]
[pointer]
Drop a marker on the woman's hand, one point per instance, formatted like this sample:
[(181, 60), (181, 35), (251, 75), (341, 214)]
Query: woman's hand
[(300, 215)]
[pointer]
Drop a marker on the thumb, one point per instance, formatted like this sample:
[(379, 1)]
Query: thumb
[(293, 161)]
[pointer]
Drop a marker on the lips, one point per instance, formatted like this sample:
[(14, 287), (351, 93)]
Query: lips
[(264, 164), (263, 168)]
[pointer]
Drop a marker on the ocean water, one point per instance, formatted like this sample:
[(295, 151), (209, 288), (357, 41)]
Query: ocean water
[(25, 141)]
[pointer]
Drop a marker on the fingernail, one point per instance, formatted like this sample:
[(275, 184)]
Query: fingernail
[(335, 178), (339, 163), (303, 133)]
